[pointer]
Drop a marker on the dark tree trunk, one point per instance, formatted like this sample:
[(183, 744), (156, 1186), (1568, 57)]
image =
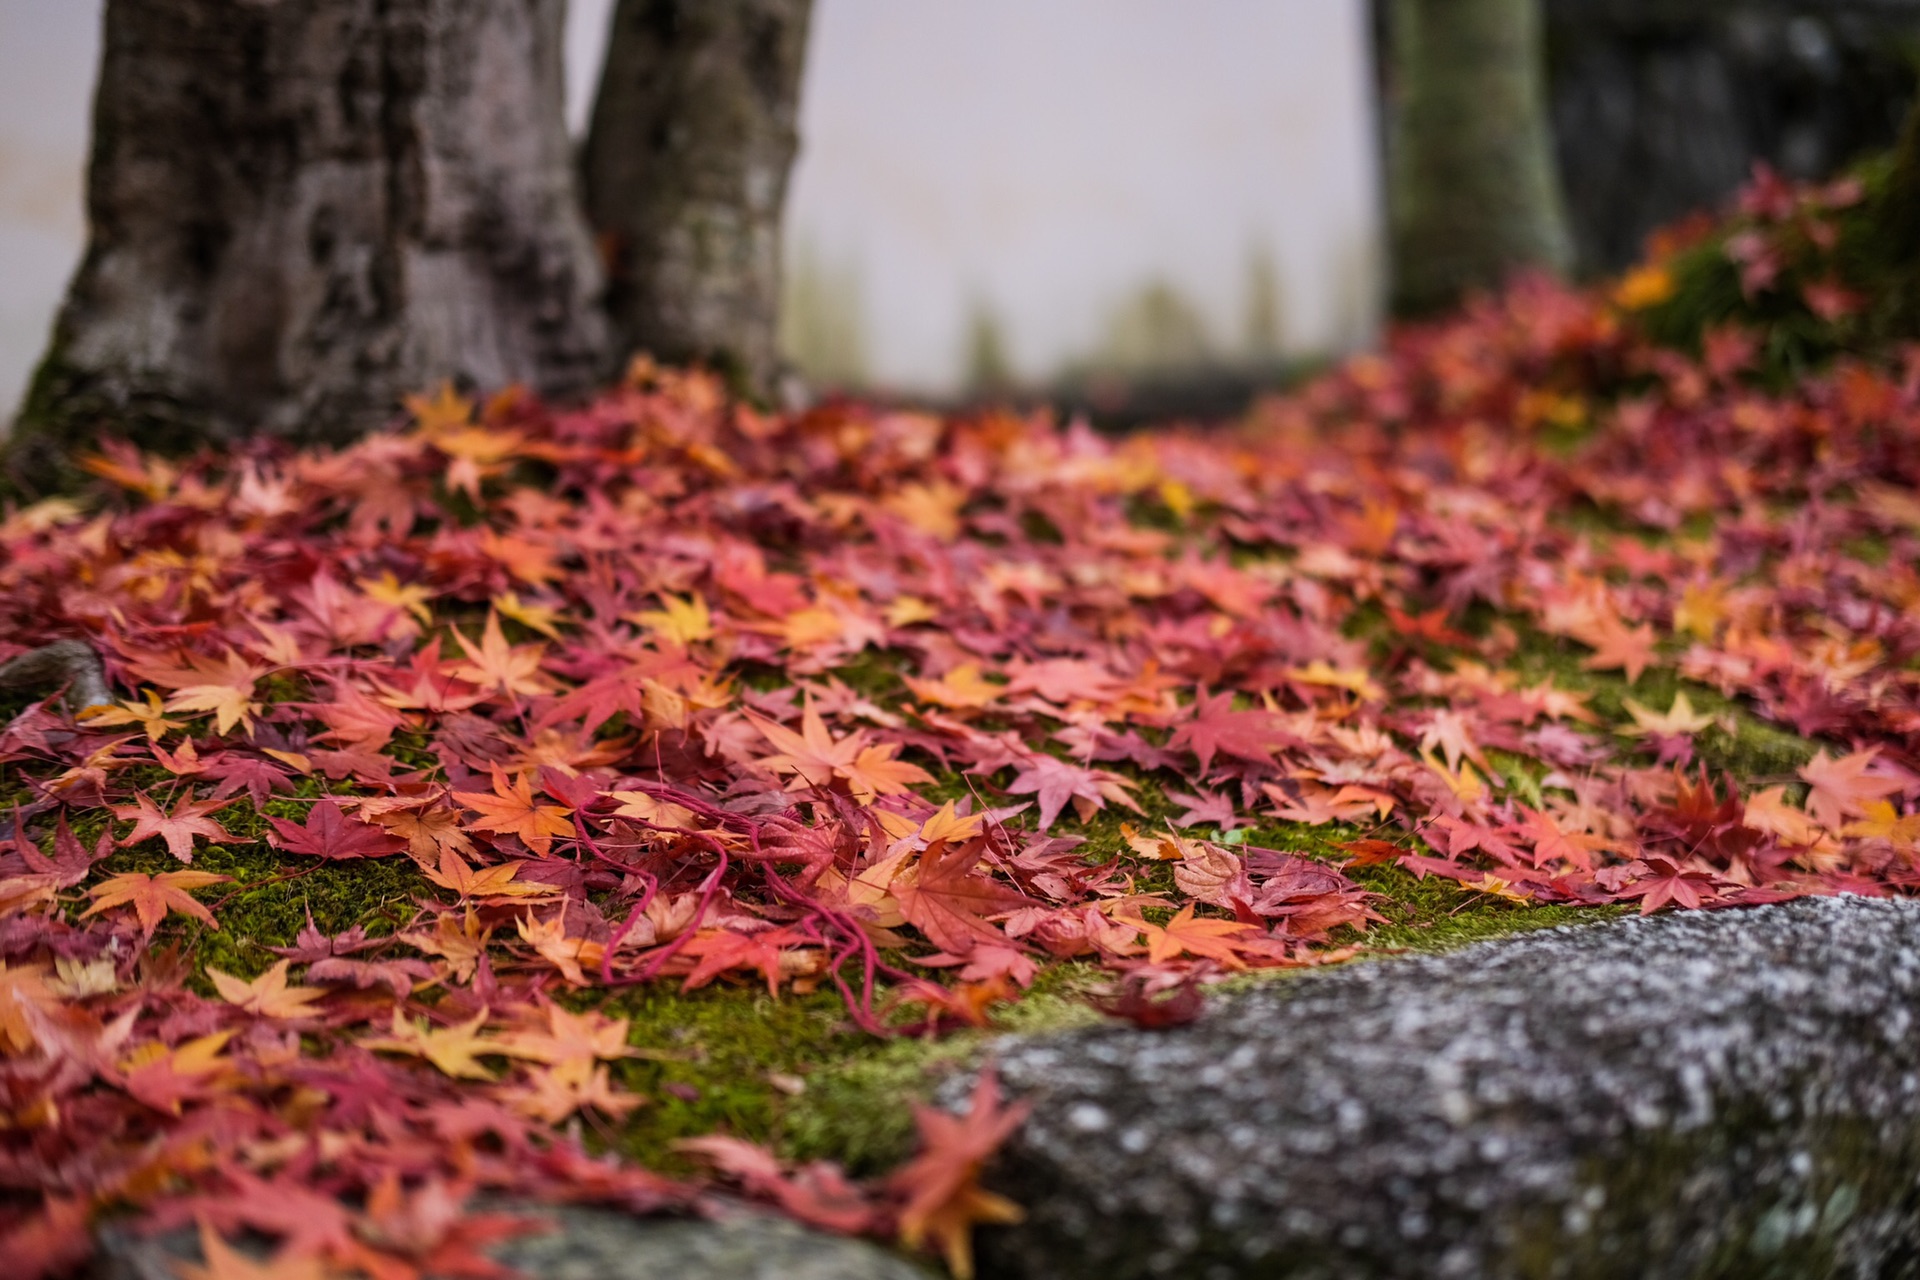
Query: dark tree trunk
[(1471, 190), (302, 210), (1663, 106), (686, 166)]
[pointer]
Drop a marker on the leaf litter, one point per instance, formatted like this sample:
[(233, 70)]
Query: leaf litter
[(1500, 606)]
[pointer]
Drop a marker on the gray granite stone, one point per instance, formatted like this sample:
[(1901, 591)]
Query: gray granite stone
[(599, 1244), (1706, 1094)]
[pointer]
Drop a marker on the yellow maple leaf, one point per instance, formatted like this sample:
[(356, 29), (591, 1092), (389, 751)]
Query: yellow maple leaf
[(455, 1050), (537, 617), (1679, 718), (680, 622), (267, 995), (411, 598), (1702, 608), (1321, 672), (962, 688), (149, 714), (446, 410)]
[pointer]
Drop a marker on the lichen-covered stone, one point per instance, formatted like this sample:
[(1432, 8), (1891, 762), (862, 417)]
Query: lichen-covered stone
[(599, 1244), (1724, 1094)]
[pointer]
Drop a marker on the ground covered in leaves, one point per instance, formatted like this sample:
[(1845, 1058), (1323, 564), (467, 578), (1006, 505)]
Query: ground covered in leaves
[(624, 804)]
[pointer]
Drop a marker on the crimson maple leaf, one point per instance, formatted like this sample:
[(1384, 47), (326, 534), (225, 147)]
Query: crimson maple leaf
[(329, 833), (71, 863), (188, 819), (1217, 727), (1669, 881), (944, 900)]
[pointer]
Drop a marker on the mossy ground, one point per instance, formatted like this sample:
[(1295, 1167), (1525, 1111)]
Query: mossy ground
[(794, 1071)]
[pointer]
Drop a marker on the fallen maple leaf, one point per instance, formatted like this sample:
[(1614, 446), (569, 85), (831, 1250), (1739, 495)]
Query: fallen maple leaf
[(1227, 941), (943, 1197), (511, 808), (178, 829), (1054, 782), (267, 995), (495, 665), (329, 833), (1843, 788), (152, 897), (946, 902), (455, 1050)]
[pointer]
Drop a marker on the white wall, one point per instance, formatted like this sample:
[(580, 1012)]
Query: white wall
[(1044, 158), (48, 49)]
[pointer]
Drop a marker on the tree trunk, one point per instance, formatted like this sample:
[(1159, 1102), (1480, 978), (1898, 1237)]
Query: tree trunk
[(302, 210), (1472, 191), (686, 166)]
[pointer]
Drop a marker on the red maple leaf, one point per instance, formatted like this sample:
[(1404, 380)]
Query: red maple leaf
[(1217, 727), (329, 833), (941, 1186), (945, 901)]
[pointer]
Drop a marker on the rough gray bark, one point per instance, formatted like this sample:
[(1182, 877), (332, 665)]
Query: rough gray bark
[(1725, 1094), (1662, 107), (1472, 194), (69, 667), (686, 163), (301, 211)]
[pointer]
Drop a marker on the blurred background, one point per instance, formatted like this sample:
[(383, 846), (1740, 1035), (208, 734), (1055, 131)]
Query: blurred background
[(1089, 197)]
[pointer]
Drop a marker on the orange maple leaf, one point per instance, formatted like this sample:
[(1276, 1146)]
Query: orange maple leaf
[(815, 759), (151, 897), (496, 665), (1617, 645), (511, 808), (487, 882), (1222, 940)]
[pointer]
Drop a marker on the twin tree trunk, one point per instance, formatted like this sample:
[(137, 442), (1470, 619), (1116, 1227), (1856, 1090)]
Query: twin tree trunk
[(686, 165), (302, 211), (1472, 191)]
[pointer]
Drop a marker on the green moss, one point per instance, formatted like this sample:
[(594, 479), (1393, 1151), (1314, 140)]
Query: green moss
[(1873, 253), (1437, 914), (271, 894), (1756, 752)]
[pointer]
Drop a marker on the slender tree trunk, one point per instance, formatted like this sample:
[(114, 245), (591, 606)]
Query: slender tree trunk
[(686, 165), (1472, 189), (302, 210)]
